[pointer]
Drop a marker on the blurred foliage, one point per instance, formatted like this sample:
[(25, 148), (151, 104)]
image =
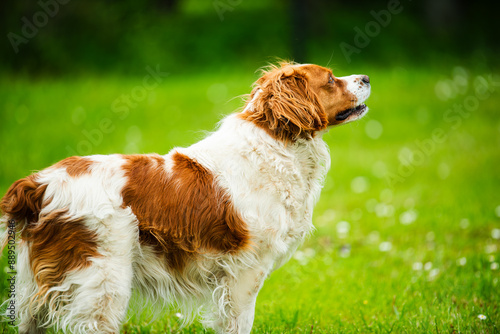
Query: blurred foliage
[(194, 35)]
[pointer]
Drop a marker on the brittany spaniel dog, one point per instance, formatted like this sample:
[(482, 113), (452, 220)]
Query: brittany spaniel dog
[(200, 227)]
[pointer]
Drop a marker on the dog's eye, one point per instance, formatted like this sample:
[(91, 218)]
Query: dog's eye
[(331, 80)]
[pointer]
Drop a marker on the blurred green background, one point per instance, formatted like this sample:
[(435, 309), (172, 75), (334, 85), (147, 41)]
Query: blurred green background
[(408, 225)]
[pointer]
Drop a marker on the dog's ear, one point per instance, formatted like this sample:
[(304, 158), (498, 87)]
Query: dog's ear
[(285, 105)]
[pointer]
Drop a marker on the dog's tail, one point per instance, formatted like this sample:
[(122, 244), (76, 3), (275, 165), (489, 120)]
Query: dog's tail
[(21, 204)]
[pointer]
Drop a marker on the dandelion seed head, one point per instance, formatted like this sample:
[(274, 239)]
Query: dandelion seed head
[(343, 228), (374, 129), (385, 246), (373, 237), (433, 274), (428, 266), (488, 249), (300, 257), (495, 233), (408, 217), (462, 261), (359, 184), (303, 257), (309, 252), (384, 210)]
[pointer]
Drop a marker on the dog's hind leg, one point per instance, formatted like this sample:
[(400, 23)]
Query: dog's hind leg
[(30, 320), (100, 298), (82, 272), (102, 290)]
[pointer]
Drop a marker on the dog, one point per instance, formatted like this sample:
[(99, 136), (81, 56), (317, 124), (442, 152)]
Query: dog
[(200, 227)]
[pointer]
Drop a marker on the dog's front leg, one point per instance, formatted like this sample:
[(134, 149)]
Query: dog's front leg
[(236, 300)]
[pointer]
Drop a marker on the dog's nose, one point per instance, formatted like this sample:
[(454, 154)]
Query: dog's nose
[(365, 79)]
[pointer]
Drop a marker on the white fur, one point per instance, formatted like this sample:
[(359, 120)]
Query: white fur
[(272, 185), (355, 86), (360, 90)]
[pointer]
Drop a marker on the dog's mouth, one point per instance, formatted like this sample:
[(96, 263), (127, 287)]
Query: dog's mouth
[(342, 116)]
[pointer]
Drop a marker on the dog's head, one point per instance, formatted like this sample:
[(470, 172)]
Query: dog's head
[(294, 101)]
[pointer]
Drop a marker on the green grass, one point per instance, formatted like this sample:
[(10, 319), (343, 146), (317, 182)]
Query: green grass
[(374, 274)]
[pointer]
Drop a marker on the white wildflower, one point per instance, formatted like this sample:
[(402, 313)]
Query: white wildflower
[(433, 274), (359, 184), (428, 266), (408, 217), (495, 233), (385, 246), (343, 228)]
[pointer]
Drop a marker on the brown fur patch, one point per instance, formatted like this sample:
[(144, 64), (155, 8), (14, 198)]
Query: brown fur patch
[(182, 211), (24, 200), (75, 166), (58, 244), (286, 107)]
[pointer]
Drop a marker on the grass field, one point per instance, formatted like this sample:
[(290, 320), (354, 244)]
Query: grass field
[(407, 233)]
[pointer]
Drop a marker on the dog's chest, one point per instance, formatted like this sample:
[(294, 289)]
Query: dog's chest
[(286, 186)]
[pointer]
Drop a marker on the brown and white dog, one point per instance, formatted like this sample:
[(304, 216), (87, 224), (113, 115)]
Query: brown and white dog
[(200, 227)]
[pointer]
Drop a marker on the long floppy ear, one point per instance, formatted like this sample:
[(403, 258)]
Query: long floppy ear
[(284, 105)]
